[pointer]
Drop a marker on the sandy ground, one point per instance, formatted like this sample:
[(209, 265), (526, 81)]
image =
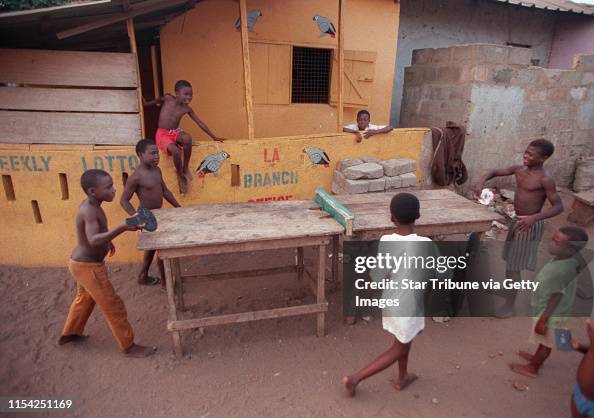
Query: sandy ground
[(265, 368)]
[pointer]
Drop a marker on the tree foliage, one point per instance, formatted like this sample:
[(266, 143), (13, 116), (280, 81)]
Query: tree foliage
[(11, 5)]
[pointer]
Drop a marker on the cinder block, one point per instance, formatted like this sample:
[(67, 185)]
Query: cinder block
[(344, 164), (537, 96), (584, 62), (413, 75), (364, 171), (398, 166), (503, 74), (588, 78), (369, 159), (441, 56), (492, 54), (342, 185), (526, 76), (458, 93), (570, 78), (519, 56), (463, 54), (408, 180), (422, 56), (429, 74), (578, 93), (393, 182), (557, 94), (449, 74), (377, 185)]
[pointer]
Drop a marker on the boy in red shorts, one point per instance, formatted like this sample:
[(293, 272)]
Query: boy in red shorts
[(170, 137)]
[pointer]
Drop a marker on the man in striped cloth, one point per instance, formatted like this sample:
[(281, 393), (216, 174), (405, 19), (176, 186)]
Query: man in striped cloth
[(534, 186)]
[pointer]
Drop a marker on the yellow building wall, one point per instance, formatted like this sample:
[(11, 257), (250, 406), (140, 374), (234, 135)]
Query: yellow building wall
[(203, 47), (268, 169)]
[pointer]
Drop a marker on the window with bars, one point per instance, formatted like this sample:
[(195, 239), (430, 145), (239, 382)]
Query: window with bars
[(311, 75)]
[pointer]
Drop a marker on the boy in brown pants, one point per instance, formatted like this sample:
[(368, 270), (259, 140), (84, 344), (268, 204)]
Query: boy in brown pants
[(87, 266)]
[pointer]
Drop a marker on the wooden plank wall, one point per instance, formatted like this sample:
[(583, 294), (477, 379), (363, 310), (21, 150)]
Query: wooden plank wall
[(68, 97)]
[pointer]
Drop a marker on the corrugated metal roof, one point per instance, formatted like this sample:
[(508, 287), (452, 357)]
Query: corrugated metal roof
[(38, 28), (555, 5)]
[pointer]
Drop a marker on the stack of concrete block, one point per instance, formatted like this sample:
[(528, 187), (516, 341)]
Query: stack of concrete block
[(369, 174)]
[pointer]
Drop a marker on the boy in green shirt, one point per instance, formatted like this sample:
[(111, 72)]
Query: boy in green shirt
[(552, 301)]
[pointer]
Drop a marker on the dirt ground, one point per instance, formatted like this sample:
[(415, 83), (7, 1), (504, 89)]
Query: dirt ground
[(266, 368)]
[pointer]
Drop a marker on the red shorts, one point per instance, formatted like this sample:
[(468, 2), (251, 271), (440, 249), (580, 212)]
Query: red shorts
[(165, 137)]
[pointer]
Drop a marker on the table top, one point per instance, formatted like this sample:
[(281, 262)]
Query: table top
[(442, 212), (236, 223)]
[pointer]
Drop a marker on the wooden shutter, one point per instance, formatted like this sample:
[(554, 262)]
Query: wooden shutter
[(271, 73), (359, 68)]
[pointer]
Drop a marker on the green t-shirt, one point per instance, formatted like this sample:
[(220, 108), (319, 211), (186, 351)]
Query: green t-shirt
[(557, 276)]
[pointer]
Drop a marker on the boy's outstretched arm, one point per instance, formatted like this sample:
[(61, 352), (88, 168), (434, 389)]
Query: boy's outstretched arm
[(383, 130), (129, 189), (168, 195), (541, 324), (358, 135), (155, 102), (555, 209), (500, 172), (203, 126), (97, 239)]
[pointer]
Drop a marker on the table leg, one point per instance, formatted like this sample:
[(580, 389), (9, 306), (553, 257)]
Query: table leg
[(179, 285), (335, 252), (321, 294), (169, 283), (300, 263)]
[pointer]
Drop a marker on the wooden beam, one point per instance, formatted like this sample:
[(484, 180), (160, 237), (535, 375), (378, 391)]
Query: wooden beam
[(134, 50), (247, 76), (156, 72), (340, 105), (240, 274), (68, 100), (67, 68), (136, 10), (69, 128), (179, 325)]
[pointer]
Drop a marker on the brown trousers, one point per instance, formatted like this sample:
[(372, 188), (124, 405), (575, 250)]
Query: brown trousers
[(93, 287)]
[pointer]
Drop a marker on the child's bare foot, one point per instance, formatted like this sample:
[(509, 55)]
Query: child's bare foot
[(183, 184), (188, 175), (65, 339), (524, 369), (402, 383), (350, 385), (138, 351), (525, 355)]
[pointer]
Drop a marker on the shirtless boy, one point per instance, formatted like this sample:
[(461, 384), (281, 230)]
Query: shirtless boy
[(87, 266), (534, 186), (147, 182), (170, 137)]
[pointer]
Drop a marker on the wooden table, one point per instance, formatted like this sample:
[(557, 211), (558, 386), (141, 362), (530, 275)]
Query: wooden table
[(233, 228), (443, 212)]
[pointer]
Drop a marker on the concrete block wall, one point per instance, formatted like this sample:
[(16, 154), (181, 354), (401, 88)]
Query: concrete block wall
[(503, 102)]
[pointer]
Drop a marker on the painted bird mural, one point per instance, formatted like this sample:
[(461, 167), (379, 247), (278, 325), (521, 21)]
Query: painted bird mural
[(252, 16), (212, 163), (317, 156), (325, 26)]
